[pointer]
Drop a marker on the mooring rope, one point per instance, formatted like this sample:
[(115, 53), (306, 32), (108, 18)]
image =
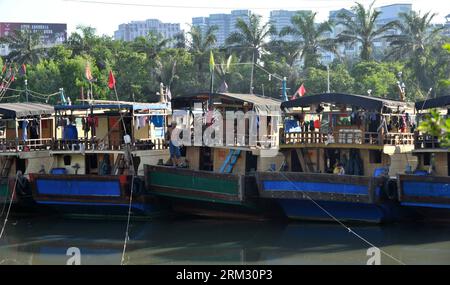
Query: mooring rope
[(9, 207), (127, 236), (340, 222)]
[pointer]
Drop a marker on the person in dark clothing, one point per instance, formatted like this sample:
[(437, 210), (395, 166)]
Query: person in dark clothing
[(105, 167)]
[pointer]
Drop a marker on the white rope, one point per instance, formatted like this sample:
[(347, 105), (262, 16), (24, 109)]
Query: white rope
[(9, 207), (341, 223), (127, 236)]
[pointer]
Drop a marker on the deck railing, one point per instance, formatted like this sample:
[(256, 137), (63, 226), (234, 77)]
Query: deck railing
[(77, 145), (349, 136), (424, 141), (8, 145), (107, 145)]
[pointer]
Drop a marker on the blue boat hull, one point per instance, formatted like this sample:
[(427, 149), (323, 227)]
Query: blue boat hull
[(342, 211), (92, 195), (429, 196), (326, 197)]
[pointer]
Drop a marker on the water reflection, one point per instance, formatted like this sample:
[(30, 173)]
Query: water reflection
[(202, 241)]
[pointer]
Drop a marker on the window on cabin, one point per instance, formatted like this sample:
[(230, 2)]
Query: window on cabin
[(375, 156)]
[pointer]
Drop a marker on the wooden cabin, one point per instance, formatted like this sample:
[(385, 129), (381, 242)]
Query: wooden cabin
[(262, 155), (432, 156), (325, 129), (26, 135), (97, 129)]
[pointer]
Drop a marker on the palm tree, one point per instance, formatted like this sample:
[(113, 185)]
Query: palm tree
[(82, 41), (310, 37), (226, 71), (200, 43), (151, 45), (26, 47), (251, 38), (284, 50), (415, 34), (361, 28)]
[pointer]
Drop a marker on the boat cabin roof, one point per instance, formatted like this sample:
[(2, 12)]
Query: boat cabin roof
[(18, 110), (259, 103), (439, 102), (366, 102), (105, 104)]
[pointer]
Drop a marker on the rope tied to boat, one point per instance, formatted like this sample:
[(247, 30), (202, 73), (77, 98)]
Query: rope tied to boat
[(9, 206)]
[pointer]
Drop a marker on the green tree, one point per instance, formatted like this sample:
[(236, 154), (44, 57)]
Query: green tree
[(150, 45), (362, 29), (380, 78), (311, 37), (415, 34), (315, 80), (200, 43), (251, 39)]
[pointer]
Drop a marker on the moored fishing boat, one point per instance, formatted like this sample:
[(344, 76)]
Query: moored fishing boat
[(217, 178), (98, 155), (340, 151), (427, 188), (25, 139)]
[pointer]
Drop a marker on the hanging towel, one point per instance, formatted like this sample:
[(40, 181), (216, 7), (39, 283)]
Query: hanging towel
[(24, 130), (137, 125), (142, 121), (157, 121)]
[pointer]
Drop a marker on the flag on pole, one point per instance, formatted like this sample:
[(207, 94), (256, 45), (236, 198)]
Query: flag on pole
[(300, 91), (111, 80), (88, 73), (211, 61)]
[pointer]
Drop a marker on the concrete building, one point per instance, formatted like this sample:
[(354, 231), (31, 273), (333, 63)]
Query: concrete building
[(281, 19), (226, 23), (388, 14), (130, 31)]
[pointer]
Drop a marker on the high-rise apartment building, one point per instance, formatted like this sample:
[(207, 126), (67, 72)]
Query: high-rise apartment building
[(130, 31)]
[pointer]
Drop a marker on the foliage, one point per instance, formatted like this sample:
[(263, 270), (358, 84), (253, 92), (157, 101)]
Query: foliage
[(438, 126)]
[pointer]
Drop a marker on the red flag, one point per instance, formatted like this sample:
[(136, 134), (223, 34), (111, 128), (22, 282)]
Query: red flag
[(4, 69), (88, 72), (301, 91), (111, 81), (23, 70)]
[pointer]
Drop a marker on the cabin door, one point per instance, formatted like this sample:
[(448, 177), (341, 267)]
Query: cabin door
[(91, 163), (21, 165), (251, 162), (114, 131), (332, 157), (206, 159), (296, 166)]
